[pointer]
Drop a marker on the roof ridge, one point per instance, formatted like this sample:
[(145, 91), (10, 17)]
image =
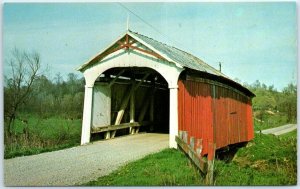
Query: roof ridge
[(149, 38), (189, 54)]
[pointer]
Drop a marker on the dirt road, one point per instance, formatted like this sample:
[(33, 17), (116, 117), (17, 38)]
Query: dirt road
[(80, 164), (280, 130)]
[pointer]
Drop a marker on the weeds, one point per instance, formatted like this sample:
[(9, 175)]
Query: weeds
[(42, 135), (269, 160)]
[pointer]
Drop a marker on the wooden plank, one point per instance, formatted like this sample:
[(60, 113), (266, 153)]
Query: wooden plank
[(115, 127), (121, 126), (199, 162)]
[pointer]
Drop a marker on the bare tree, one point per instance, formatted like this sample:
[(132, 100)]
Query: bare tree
[(18, 87)]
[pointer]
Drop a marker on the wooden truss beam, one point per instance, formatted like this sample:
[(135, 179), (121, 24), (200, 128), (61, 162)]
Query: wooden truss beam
[(126, 45), (117, 76), (125, 102), (126, 99), (147, 52)]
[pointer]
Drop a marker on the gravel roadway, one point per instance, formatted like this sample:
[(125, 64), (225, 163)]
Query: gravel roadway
[(81, 164)]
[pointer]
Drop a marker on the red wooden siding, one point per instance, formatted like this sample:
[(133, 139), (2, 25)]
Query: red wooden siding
[(225, 119)]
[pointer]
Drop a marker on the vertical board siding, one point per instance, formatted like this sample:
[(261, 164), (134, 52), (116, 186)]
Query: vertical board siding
[(229, 112), (194, 100)]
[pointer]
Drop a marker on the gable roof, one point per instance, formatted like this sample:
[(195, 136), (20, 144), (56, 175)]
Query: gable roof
[(169, 53), (172, 54), (178, 56)]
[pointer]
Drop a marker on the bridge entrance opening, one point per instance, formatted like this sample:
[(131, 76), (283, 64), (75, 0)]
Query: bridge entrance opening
[(128, 101)]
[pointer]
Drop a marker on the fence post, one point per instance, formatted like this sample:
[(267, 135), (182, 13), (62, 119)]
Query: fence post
[(210, 164)]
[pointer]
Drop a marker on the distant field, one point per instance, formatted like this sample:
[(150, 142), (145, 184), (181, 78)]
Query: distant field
[(271, 121), (267, 160), (44, 134)]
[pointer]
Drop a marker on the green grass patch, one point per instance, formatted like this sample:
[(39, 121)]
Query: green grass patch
[(292, 134), (267, 160), (43, 135), (166, 168)]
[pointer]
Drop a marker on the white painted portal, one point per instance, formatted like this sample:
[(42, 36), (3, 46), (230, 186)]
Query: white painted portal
[(121, 58), (87, 115)]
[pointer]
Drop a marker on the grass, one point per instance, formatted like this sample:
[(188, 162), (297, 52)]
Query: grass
[(43, 135), (267, 160), (292, 134), (166, 168)]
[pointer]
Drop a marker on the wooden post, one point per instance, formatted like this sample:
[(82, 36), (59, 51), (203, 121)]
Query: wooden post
[(151, 112), (210, 164), (132, 111), (107, 135), (145, 108), (185, 136), (199, 147), (212, 144), (125, 103), (122, 109), (192, 143), (173, 116), (143, 113)]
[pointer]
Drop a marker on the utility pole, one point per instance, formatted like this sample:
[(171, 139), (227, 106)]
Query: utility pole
[(127, 22)]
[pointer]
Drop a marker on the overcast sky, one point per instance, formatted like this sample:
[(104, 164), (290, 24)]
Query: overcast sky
[(254, 41)]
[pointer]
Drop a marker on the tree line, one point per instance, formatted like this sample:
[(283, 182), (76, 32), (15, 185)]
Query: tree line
[(29, 91), (268, 100)]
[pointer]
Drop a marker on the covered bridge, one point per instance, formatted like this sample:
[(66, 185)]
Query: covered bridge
[(138, 83)]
